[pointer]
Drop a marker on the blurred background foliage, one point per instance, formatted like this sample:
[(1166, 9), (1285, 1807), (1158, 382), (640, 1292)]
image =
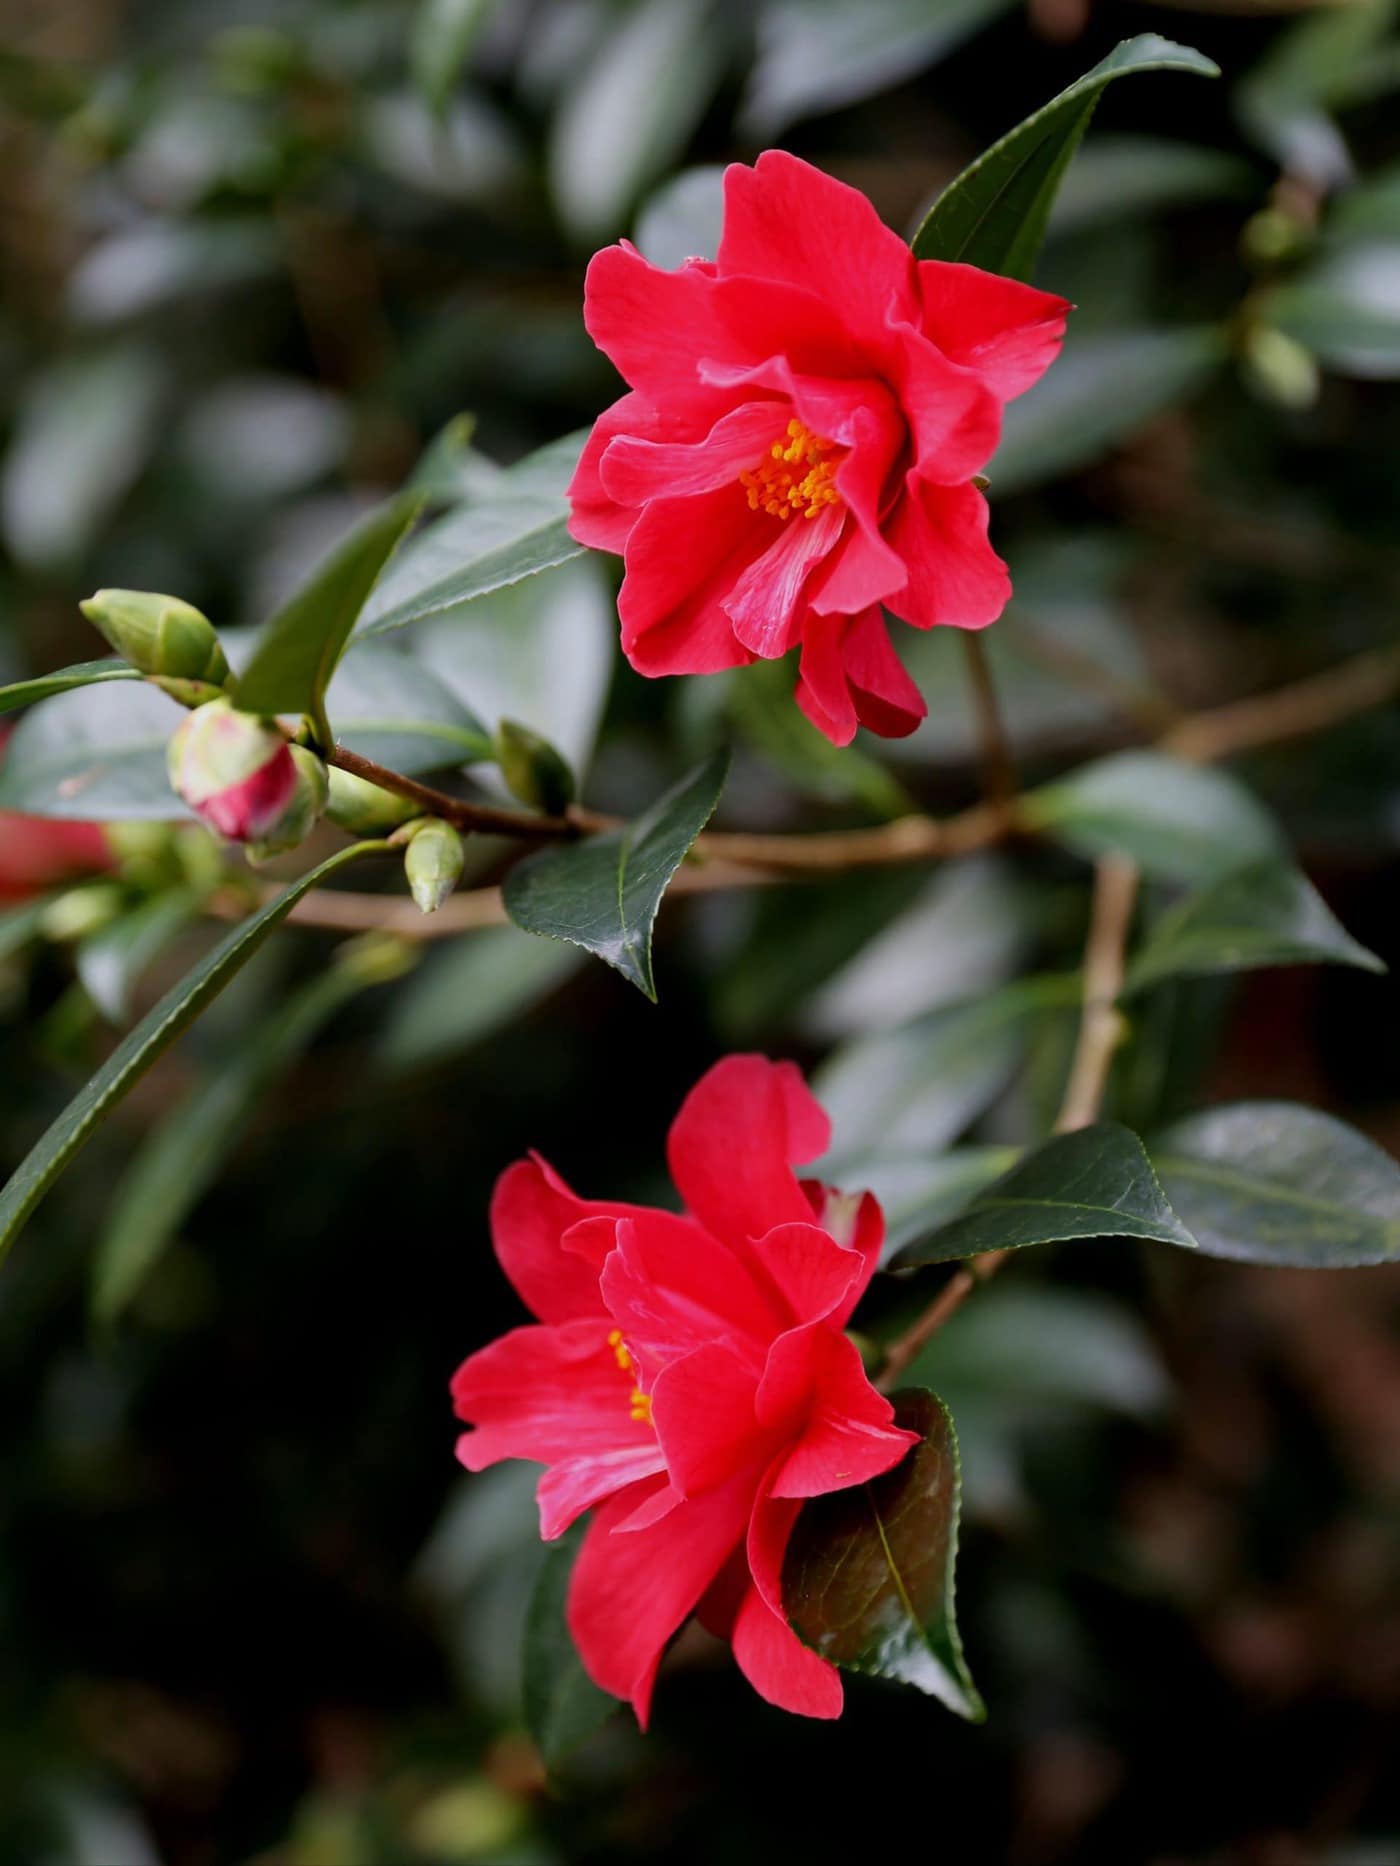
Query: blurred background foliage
[(255, 258)]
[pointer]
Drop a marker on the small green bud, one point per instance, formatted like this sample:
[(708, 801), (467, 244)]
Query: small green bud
[(377, 958), (303, 812), (364, 809), (140, 842), (82, 911), (1280, 368), (1273, 238), (433, 863), (159, 634), (533, 770)]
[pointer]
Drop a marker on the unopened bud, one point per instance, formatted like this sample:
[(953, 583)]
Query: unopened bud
[(1281, 368), (365, 809), (159, 635), (433, 863), (303, 812), (81, 911), (377, 958), (234, 770), (533, 770)]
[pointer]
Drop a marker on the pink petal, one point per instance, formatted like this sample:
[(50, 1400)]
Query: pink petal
[(766, 604), (531, 1210), (845, 1433), (703, 1410), (733, 1145), (546, 1394), (954, 418), (808, 1268), (683, 558), (569, 1488), (777, 1664), (654, 324), (855, 1220), (955, 577), (1008, 332), (629, 1593), (784, 219), (822, 689), (886, 700)]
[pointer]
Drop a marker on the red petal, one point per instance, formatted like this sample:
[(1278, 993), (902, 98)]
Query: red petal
[(545, 1394), (777, 1664), (655, 325), (703, 1410), (1008, 332), (767, 605), (596, 519), (733, 1145), (671, 1287), (784, 219), (954, 418), (855, 1220), (531, 1209), (886, 700), (955, 576), (810, 1270), (845, 1435), (635, 470), (683, 558), (569, 1488), (822, 689), (629, 1593)]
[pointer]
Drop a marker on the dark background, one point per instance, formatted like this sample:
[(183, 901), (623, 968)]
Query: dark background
[(249, 1608)]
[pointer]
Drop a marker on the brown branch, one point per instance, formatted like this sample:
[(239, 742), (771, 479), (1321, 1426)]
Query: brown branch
[(1100, 1033), (482, 818), (1310, 705), (998, 766)]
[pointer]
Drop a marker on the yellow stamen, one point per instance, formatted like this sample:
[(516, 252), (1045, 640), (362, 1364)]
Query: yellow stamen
[(620, 1354), (641, 1406), (797, 478)]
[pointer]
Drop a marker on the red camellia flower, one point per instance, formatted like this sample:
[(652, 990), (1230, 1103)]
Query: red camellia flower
[(798, 451), (689, 1381), (37, 853)]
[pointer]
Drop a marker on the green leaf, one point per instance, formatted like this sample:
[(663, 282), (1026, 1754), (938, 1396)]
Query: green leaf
[(994, 214), (110, 962), (1095, 1183), (181, 1158), (602, 893), (93, 755), (1267, 914), (1347, 310), (628, 114), (819, 55), (1270, 1182), (45, 686), (1180, 822), (563, 1706), (1103, 388), (468, 990), (392, 708), (150, 1039), (868, 1575), (918, 1087), (515, 533), (444, 32), (291, 667)]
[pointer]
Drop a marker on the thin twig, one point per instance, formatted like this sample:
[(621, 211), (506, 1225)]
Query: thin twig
[(484, 818), (1100, 1032), (998, 766)]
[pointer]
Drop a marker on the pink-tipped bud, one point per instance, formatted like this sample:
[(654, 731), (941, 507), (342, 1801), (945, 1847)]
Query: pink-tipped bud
[(234, 770)]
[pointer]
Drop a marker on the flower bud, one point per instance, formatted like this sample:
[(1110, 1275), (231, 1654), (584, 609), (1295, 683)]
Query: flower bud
[(234, 770), (1281, 369), (159, 634), (533, 770), (433, 863), (81, 911), (365, 809), (303, 812)]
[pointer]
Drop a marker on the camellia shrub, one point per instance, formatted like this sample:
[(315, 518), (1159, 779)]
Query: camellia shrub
[(731, 1388)]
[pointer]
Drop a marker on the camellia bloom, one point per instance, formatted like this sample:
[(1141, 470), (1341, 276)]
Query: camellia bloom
[(36, 853), (689, 1381), (235, 771), (798, 451)]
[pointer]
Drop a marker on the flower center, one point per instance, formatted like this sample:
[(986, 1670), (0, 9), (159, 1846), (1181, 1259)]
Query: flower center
[(797, 478), (639, 1402)]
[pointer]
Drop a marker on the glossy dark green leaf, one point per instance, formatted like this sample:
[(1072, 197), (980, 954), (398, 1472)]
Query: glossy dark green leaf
[(1178, 821), (515, 528), (1270, 1182), (45, 686), (175, 1012), (602, 892), (181, 1158), (917, 1088), (994, 214), (1095, 1183), (563, 1706), (868, 1576), (111, 961), (291, 667), (1266, 914), (394, 709), (94, 753)]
